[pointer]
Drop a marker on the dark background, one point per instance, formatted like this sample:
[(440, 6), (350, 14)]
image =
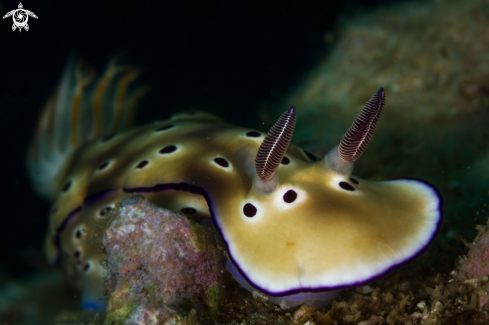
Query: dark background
[(230, 57)]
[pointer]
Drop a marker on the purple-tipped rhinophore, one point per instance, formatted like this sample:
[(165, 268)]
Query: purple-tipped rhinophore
[(273, 148), (360, 132)]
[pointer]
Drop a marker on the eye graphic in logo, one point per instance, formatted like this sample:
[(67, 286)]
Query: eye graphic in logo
[(20, 17)]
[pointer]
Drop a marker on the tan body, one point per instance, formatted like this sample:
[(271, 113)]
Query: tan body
[(326, 235), (291, 224)]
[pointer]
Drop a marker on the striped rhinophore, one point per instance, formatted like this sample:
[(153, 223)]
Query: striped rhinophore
[(360, 132), (273, 148)]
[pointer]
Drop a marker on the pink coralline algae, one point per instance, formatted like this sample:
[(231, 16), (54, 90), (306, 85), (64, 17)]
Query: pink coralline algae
[(476, 264), (157, 257)]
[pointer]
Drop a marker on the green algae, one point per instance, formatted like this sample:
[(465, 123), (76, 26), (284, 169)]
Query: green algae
[(200, 236), (214, 297)]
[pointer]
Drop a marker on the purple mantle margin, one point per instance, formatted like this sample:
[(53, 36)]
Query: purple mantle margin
[(200, 190)]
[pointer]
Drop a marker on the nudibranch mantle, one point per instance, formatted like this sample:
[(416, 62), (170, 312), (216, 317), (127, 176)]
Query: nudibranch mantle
[(317, 228)]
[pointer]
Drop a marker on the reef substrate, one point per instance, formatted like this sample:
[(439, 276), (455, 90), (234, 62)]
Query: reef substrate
[(417, 294)]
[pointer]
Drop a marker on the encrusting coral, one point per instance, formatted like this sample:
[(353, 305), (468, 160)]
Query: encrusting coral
[(476, 264), (156, 259)]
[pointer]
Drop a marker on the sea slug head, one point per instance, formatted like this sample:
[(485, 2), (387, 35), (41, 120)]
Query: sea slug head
[(311, 226)]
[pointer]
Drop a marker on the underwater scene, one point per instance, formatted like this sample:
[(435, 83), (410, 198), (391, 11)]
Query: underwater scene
[(216, 162)]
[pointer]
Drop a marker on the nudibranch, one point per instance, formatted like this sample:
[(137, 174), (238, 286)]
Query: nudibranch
[(295, 227)]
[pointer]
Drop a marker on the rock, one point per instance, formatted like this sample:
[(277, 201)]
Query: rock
[(476, 264), (155, 259)]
